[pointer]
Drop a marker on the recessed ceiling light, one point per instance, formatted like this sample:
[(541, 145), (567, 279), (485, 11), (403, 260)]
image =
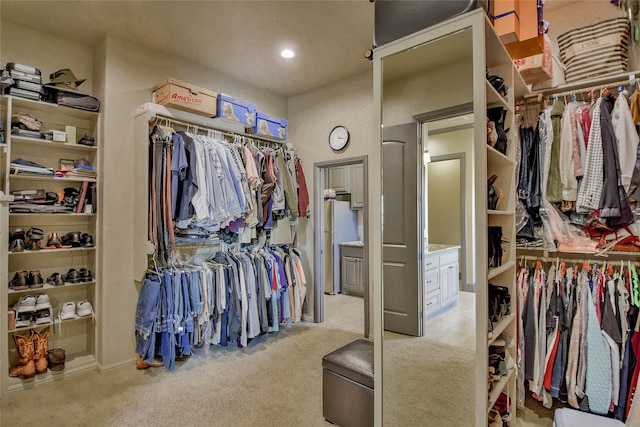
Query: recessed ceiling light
[(287, 53)]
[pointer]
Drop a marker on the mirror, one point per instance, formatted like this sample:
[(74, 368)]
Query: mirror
[(429, 359)]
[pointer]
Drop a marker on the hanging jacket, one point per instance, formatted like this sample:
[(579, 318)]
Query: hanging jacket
[(554, 182), (545, 132), (591, 188), (626, 137), (598, 382), (613, 204), (566, 157), (635, 106), (303, 193)]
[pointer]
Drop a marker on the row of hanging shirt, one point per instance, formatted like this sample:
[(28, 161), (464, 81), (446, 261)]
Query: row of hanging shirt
[(235, 298), (579, 336), (237, 185), (222, 188)]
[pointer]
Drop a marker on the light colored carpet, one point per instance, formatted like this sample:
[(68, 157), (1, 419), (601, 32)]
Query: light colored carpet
[(427, 383), (276, 381)]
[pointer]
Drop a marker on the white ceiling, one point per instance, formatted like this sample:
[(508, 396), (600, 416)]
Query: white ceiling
[(240, 38)]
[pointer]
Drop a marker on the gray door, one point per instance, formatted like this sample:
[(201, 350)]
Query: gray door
[(401, 232)]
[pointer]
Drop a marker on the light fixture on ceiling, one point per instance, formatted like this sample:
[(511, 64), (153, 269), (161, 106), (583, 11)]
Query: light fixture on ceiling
[(426, 157), (287, 53)]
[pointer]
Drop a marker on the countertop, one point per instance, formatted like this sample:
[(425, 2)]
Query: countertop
[(431, 249), (355, 243)]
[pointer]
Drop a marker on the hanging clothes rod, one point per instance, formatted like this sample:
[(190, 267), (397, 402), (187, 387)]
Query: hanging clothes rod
[(586, 86), (160, 119)]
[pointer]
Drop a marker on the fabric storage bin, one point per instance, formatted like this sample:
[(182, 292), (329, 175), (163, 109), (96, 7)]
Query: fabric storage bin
[(595, 50)]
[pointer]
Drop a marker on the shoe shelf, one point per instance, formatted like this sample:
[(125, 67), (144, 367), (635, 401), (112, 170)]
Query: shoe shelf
[(498, 388), (56, 251), (76, 336), (497, 160), (74, 363), (499, 212), (494, 99), (495, 272), (499, 63), (500, 327), (47, 107), (47, 215), (45, 143), (50, 178), (48, 287), (44, 325)]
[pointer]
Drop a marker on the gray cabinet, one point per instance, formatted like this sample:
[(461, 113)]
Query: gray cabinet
[(357, 186), (352, 270), (339, 178)]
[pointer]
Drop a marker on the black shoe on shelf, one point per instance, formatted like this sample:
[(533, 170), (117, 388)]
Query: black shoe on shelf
[(17, 245), (55, 279), (20, 281), (35, 279), (87, 240), (72, 238), (73, 276), (85, 275)]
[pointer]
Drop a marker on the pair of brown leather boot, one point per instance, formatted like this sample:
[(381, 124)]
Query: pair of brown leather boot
[(32, 355)]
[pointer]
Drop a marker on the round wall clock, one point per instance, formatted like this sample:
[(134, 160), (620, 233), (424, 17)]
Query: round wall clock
[(338, 138)]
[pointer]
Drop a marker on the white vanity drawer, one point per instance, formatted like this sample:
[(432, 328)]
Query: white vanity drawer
[(432, 300), (431, 281), (448, 257), (431, 261)]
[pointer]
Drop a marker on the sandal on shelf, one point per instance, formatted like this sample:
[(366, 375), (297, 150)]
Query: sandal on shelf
[(54, 241)]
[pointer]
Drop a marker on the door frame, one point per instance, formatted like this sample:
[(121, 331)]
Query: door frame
[(463, 211), (319, 170)]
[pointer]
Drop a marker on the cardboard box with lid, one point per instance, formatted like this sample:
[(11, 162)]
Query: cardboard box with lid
[(174, 93)]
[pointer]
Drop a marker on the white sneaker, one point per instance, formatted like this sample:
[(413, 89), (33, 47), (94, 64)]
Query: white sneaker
[(67, 311), (26, 304), (84, 308), (42, 302), (23, 319)]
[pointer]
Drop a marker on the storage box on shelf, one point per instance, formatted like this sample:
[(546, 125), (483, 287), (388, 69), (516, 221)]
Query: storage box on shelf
[(236, 110), (177, 94), (271, 126), (75, 335)]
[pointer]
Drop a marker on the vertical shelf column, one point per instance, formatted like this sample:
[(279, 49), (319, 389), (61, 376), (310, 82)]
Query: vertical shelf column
[(4, 355)]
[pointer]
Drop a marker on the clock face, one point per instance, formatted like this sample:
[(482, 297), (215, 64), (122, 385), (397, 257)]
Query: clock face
[(338, 138)]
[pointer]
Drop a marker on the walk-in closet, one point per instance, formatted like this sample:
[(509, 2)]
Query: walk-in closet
[(202, 202)]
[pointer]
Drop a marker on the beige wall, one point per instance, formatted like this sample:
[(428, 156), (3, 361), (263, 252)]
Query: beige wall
[(443, 87), (121, 74), (461, 141), (312, 116), (130, 73), (46, 52)]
